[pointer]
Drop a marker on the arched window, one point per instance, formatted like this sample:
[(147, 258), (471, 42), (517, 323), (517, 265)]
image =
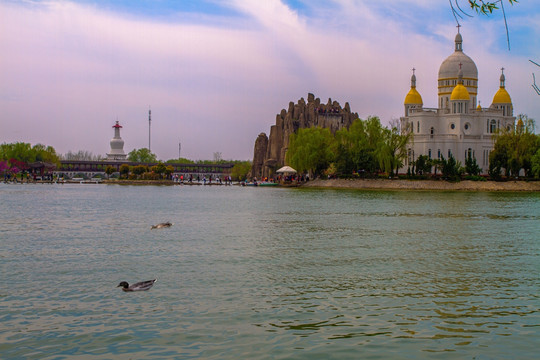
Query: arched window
[(493, 126)]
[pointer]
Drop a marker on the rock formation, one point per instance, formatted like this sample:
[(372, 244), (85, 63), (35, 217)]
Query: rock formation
[(269, 152)]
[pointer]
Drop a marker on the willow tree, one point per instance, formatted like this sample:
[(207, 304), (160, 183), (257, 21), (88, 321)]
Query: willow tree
[(355, 147), (310, 150), (514, 150), (395, 149)]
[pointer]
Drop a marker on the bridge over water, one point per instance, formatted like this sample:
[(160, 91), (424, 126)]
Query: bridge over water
[(90, 168)]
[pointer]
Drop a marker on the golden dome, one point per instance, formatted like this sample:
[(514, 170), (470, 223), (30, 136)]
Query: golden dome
[(413, 97), (479, 107), (502, 97), (460, 93)]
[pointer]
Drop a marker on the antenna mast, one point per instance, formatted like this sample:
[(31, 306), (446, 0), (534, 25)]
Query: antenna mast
[(149, 126)]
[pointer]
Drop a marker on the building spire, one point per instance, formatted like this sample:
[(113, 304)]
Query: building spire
[(459, 41), (460, 74)]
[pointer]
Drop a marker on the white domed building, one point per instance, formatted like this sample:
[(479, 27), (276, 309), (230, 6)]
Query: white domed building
[(117, 145), (458, 126)]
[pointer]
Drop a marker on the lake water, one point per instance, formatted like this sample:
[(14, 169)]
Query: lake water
[(267, 273)]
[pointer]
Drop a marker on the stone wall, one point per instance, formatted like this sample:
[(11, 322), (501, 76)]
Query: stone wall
[(269, 152)]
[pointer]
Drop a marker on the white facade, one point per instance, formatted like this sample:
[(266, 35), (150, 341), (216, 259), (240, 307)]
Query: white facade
[(457, 126)]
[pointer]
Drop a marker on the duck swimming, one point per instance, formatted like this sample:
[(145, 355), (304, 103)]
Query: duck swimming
[(161, 225), (140, 286)]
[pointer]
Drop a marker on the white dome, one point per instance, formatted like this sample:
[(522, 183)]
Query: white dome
[(450, 67)]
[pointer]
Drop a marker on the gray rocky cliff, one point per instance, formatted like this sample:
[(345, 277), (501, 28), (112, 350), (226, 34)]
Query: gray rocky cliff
[(269, 152)]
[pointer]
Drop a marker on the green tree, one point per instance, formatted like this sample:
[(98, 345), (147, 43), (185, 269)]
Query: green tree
[(423, 165), (240, 170), (310, 150), (535, 164), (395, 149), (18, 151), (124, 170), (45, 154), (451, 169), (169, 170), (24, 153), (471, 166), (486, 7), (386, 145), (139, 170), (159, 169), (514, 149), (482, 7), (142, 155), (180, 161), (355, 147), (109, 170)]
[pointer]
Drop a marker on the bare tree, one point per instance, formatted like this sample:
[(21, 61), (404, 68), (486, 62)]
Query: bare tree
[(483, 8)]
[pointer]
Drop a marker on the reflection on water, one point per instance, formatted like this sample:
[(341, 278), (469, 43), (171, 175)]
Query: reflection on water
[(267, 273)]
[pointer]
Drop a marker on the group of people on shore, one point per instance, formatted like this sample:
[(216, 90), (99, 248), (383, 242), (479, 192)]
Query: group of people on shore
[(181, 179), (26, 177)]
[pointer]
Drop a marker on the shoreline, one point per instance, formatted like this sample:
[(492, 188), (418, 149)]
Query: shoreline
[(354, 184), (426, 185)]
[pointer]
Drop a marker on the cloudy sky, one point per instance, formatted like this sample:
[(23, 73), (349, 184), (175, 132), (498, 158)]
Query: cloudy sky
[(216, 72)]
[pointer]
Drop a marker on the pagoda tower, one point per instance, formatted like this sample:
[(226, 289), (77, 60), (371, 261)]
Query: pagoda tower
[(117, 145)]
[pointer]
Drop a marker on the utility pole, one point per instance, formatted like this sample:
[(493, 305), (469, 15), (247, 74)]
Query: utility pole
[(179, 149), (149, 126)]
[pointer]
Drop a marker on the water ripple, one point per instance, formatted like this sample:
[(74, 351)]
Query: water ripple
[(267, 273)]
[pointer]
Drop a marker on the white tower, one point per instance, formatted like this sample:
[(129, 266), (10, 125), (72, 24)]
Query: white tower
[(117, 145)]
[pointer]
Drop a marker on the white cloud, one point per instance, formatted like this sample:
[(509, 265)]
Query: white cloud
[(72, 70)]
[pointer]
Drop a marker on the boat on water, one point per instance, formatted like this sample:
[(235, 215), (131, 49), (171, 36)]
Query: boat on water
[(268, 184), (263, 183)]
